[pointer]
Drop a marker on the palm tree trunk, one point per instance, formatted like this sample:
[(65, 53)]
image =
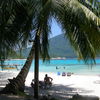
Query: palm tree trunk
[(36, 68), (17, 84)]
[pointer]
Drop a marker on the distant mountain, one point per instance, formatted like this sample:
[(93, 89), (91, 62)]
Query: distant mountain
[(59, 46)]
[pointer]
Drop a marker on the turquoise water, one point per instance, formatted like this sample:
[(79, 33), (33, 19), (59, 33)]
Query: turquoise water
[(68, 65)]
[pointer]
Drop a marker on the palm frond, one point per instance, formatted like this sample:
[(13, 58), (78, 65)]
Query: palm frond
[(82, 28), (93, 5), (43, 26), (15, 23), (19, 17)]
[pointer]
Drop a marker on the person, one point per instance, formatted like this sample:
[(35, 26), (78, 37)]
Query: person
[(47, 80), (56, 67), (41, 84)]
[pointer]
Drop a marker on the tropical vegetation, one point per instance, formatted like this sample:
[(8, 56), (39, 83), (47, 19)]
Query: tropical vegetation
[(22, 19)]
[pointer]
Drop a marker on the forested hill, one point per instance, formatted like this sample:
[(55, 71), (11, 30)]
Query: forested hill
[(59, 46)]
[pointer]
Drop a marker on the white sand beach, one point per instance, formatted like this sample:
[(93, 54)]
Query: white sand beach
[(64, 86), (67, 86)]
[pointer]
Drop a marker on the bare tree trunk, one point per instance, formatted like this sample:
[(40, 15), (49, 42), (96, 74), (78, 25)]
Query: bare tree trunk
[(36, 68), (17, 84)]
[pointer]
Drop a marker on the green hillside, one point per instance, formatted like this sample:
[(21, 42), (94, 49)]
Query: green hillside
[(59, 46)]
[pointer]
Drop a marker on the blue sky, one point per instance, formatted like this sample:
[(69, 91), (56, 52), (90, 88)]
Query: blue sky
[(55, 29)]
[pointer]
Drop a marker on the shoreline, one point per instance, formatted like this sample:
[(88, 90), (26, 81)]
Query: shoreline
[(80, 74)]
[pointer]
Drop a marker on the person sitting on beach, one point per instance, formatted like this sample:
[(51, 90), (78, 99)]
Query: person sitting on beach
[(47, 80), (41, 84)]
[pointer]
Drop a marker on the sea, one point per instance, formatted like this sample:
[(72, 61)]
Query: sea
[(59, 65)]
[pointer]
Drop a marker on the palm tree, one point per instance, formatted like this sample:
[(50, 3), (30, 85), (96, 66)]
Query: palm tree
[(93, 5), (66, 14), (15, 28), (79, 23)]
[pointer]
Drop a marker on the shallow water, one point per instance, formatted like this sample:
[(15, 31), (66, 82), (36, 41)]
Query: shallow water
[(67, 65)]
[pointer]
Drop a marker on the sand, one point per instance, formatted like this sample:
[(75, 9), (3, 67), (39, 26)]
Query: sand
[(67, 86), (63, 87)]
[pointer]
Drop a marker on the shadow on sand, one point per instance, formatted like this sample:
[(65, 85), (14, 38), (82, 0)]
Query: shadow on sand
[(61, 92)]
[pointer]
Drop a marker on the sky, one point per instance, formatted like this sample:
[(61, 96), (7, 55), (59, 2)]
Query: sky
[(55, 29)]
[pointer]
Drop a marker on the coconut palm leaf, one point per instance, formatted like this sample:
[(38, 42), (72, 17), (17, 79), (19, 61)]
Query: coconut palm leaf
[(13, 26), (93, 5), (82, 28), (42, 24), (70, 14), (45, 28), (21, 27)]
